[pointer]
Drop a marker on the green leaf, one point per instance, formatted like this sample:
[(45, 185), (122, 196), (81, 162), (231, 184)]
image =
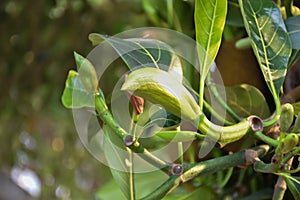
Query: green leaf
[(289, 176), (156, 115), (293, 27), (148, 182), (152, 8), (210, 19), (204, 192), (87, 73), (294, 57), (116, 155), (96, 38), (247, 100), (75, 95), (110, 190), (296, 108), (269, 38), (162, 88), (162, 118), (140, 52), (144, 183), (263, 193), (244, 100), (234, 15), (293, 187)]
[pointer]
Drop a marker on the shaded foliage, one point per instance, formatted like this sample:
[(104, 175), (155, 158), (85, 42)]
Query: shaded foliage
[(37, 42)]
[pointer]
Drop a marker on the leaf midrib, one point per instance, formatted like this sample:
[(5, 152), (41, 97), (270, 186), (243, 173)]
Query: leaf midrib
[(209, 34), (264, 49), (149, 54)]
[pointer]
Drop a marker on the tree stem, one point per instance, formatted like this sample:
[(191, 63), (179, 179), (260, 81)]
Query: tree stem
[(280, 188), (203, 168), (136, 147), (266, 139)]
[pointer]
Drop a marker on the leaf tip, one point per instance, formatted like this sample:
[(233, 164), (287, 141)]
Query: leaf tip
[(79, 59), (96, 38)]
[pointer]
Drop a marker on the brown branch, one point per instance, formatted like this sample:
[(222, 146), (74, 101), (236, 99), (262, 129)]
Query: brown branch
[(279, 189), (280, 186), (292, 96)]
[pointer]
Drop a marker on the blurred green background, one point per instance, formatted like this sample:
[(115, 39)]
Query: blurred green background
[(40, 149)]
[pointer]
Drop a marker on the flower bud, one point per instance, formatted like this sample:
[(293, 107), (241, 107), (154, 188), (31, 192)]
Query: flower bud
[(289, 142), (286, 116), (137, 103)]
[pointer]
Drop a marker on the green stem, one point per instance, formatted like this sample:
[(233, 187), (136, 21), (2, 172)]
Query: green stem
[(106, 116), (155, 161), (170, 12), (201, 92), (132, 131), (131, 175), (292, 171), (266, 139), (279, 3), (273, 119), (294, 190), (177, 24), (241, 177), (276, 117), (287, 175), (133, 125), (294, 57), (208, 107), (180, 152), (290, 155), (213, 88), (188, 135), (288, 8), (220, 134), (270, 168), (191, 153), (215, 114), (136, 147), (227, 177), (201, 169), (180, 148)]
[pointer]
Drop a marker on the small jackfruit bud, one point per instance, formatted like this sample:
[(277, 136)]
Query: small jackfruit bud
[(286, 116)]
